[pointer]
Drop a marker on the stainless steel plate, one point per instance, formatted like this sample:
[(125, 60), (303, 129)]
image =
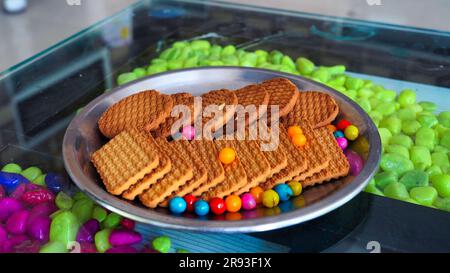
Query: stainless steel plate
[(82, 138)]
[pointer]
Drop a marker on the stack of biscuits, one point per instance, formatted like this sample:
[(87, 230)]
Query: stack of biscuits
[(142, 160)]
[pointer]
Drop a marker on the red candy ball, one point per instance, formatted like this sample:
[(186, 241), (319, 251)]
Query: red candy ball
[(217, 206), (127, 224), (343, 124), (190, 201)]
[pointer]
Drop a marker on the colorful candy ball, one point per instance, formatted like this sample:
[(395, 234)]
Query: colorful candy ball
[(351, 132), (227, 155), (294, 130), (338, 134), (190, 201), (177, 205), (343, 124), (299, 140), (271, 199), (233, 203), (257, 193), (284, 192), (217, 206), (201, 207), (248, 201), (332, 128), (188, 132), (296, 187), (342, 142)]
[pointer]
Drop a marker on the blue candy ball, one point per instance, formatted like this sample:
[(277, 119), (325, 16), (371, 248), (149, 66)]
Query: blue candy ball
[(177, 205), (201, 207), (338, 134), (284, 191), (55, 182), (10, 181)]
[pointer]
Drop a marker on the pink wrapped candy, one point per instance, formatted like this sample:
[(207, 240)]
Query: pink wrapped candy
[(8, 206), (124, 237), (17, 222)]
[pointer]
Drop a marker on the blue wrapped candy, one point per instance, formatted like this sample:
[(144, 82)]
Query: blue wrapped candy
[(55, 182), (10, 181)]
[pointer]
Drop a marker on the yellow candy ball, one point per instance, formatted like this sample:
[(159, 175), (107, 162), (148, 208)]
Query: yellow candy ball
[(296, 187), (351, 132), (270, 199)]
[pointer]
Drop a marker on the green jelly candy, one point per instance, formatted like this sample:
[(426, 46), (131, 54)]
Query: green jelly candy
[(182, 251), (162, 244), (416, 108), (338, 80), (428, 106), (82, 209), (101, 239), (180, 44), (40, 180), (414, 178), (79, 195), (402, 140), (385, 136), (410, 127), (322, 74), (445, 140), (373, 190), (63, 201), (186, 53), (200, 45), (140, 72), (386, 108), (337, 69), (54, 248), (375, 115), (441, 130), (261, 60), (99, 214), (398, 149), (31, 173), (425, 137), (406, 114), (433, 170), (228, 50), (365, 105), (396, 191), (261, 53), (354, 83), (12, 168), (112, 220), (393, 124), (230, 60), (441, 183), (158, 61), (412, 201), (166, 54), (191, 62), (56, 213), (175, 64), (64, 228), (440, 159), (286, 60), (440, 149), (425, 196), (276, 56), (444, 118), (420, 156), (126, 78), (385, 178), (387, 95), (305, 66), (395, 163), (427, 119), (443, 204), (407, 97), (156, 68), (216, 50), (365, 93)]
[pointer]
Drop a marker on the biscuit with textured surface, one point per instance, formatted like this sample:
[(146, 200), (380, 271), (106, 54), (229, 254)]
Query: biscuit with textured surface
[(144, 111), (253, 95), (338, 165), (315, 108), (181, 172), (125, 159), (282, 93), (226, 101)]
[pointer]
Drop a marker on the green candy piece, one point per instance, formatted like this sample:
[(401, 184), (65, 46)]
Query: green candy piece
[(441, 130), (414, 178), (427, 119), (287, 69), (321, 74), (112, 220), (229, 50), (395, 163), (440, 159), (354, 83), (444, 118), (182, 251), (443, 204), (365, 105), (180, 44), (410, 127), (373, 190), (441, 183), (261, 60), (82, 209), (261, 53), (425, 137), (433, 170), (191, 62), (407, 97), (445, 141), (159, 61), (101, 239), (385, 136), (385, 178), (99, 214), (216, 50), (393, 124), (162, 244), (286, 60), (440, 149), (412, 201), (396, 191), (231, 60), (416, 108), (305, 66), (365, 93), (12, 168), (276, 57), (406, 114), (200, 45), (63, 201), (425, 196), (175, 64), (126, 78), (165, 54), (31, 173), (140, 72), (79, 195), (40, 180), (56, 213), (53, 248), (420, 156), (336, 70), (216, 63), (64, 228), (156, 68), (375, 115), (337, 81), (402, 140), (428, 106), (386, 108), (186, 52), (387, 95), (398, 149)]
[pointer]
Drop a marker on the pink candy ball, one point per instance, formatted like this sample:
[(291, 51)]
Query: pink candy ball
[(188, 132), (248, 201), (356, 162), (342, 142)]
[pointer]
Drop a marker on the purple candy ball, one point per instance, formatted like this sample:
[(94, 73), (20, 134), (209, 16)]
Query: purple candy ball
[(356, 162), (39, 228), (342, 142), (124, 237), (87, 231)]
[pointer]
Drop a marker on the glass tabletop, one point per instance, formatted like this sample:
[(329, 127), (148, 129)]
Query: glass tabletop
[(40, 96)]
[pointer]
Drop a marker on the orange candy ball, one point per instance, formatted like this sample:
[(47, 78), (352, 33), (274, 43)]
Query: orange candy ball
[(257, 193), (227, 155), (233, 203), (299, 140), (294, 130), (332, 128)]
